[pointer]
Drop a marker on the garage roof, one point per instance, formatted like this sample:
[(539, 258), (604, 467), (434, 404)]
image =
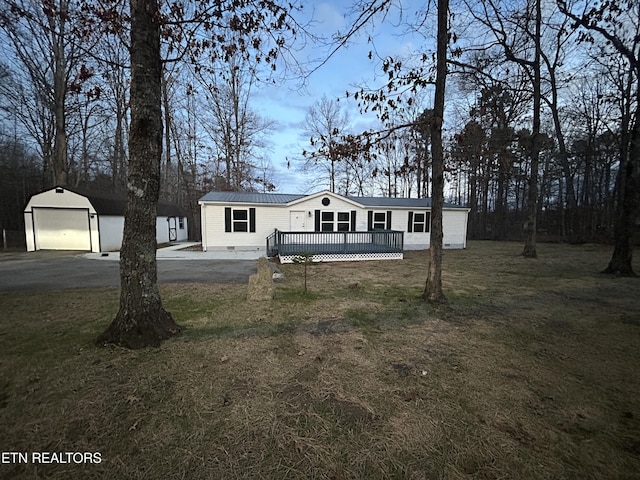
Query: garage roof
[(107, 203)]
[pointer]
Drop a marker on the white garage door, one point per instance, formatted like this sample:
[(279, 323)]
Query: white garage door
[(61, 229)]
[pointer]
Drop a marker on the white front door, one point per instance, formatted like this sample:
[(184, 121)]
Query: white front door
[(297, 219)]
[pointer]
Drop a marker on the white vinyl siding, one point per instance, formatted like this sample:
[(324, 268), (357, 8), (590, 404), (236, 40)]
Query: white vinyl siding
[(455, 229), (111, 228), (279, 216)]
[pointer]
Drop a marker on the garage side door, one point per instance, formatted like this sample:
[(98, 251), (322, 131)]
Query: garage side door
[(61, 229)]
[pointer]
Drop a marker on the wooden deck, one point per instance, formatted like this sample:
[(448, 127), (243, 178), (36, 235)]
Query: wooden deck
[(336, 246)]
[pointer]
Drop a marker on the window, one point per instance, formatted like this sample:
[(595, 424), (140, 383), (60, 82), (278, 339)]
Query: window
[(239, 219), (181, 223), (419, 222), (335, 221), (344, 221), (327, 222), (379, 221)]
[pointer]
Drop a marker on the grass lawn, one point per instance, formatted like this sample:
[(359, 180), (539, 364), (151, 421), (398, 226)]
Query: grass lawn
[(531, 372)]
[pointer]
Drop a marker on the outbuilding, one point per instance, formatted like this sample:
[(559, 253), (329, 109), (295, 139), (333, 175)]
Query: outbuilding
[(67, 219), (334, 226)]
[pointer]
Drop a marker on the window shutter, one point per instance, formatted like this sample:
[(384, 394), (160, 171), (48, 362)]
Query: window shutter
[(389, 220), (410, 224), (353, 220), (369, 220), (317, 221), (252, 220), (427, 220), (227, 219)]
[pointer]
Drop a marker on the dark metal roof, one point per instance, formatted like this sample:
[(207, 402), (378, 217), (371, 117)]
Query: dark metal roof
[(393, 202), (107, 203), (281, 198), (168, 209), (244, 197)]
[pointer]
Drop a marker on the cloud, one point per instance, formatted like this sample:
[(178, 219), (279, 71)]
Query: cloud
[(328, 18)]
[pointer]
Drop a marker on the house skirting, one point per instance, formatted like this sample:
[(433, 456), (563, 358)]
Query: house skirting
[(345, 257)]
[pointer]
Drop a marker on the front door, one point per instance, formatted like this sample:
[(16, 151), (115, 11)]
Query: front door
[(297, 219), (173, 233)]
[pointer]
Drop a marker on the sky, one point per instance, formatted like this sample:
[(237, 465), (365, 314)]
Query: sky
[(287, 103)]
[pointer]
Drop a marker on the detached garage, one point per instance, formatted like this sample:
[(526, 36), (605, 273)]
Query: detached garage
[(64, 219)]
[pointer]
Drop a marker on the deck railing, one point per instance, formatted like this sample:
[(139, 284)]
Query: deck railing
[(325, 243)]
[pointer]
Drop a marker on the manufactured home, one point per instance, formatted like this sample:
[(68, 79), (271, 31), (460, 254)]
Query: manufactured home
[(66, 219), (325, 224)]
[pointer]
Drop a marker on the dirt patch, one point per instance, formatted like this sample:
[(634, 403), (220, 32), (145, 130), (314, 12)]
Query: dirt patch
[(331, 327)]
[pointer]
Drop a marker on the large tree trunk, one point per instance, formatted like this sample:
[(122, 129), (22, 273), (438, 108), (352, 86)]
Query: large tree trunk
[(530, 226), (60, 72), (627, 205), (433, 288), (141, 320)]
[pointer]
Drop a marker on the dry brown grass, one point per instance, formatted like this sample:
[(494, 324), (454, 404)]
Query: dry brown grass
[(529, 373)]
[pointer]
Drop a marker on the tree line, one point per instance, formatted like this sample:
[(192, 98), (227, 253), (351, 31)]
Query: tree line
[(65, 111)]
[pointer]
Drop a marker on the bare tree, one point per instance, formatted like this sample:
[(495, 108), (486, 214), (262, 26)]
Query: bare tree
[(402, 83), (113, 70), (27, 106), (325, 124), (141, 319), (237, 131), (518, 34), (554, 57), (618, 23), (42, 39), (433, 287), (85, 136)]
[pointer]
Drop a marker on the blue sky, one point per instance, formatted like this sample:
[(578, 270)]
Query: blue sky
[(288, 104)]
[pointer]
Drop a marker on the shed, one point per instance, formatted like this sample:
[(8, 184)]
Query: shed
[(67, 219), (253, 221)]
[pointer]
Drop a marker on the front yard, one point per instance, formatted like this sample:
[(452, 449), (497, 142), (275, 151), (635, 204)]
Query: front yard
[(531, 372)]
